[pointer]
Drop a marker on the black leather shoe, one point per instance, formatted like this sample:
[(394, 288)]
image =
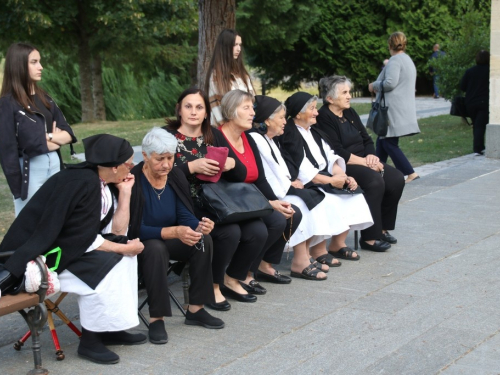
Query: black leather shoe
[(387, 237), (229, 293), (253, 287), (204, 319), (277, 278), (7, 280), (123, 338), (219, 306), (378, 246)]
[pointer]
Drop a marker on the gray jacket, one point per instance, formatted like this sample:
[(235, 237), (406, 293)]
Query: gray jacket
[(398, 78)]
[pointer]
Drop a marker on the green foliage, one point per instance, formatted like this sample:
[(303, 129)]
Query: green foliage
[(472, 36), (125, 99)]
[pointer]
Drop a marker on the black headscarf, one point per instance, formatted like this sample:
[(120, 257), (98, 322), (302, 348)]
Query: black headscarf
[(295, 103), (107, 150), (264, 107)]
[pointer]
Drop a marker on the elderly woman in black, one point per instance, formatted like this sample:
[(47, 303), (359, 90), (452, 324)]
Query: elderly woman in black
[(312, 162), (236, 245), (161, 213), (382, 184), (237, 112)]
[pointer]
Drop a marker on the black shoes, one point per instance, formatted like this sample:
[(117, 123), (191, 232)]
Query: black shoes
[(219, 306), (123, 338), (229, 293), (157, 332), (92, 349), (387, 237), (7, 280), (253, 287), (277, 278), (204, 319), (379, 245)]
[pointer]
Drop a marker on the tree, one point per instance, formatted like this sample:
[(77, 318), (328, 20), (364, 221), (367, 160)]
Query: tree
[(213, 17), (99, 29)]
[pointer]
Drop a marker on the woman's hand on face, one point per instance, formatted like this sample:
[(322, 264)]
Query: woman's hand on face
[(372, 161), (338, 180), (297, 184), (126, 185), (187, 235), (284, 207), (204, 166), (206, 226), (230, 164)]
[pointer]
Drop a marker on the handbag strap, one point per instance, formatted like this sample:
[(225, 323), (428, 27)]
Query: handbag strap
[(58, 251)]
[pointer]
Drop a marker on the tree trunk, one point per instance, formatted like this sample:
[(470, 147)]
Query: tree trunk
[(85, 66), (214, 16), (97, 89)]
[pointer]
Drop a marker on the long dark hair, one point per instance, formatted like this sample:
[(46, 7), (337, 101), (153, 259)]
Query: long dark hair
[(206, 128), (16, 77), (223, 65)]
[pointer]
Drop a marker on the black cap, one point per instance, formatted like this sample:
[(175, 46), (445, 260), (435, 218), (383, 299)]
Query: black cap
[(264, 107), (107, 150), (295, 103)]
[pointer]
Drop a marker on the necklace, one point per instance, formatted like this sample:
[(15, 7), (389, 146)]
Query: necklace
[(155, 190)]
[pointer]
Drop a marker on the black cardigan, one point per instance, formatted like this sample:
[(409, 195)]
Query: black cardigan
[(176, 180), (331, 126)]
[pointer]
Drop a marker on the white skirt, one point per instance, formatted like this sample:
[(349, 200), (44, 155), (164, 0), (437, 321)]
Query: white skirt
[(112, 306), (335, 214)]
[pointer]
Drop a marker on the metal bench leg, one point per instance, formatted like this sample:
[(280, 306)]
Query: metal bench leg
[(356, 233), (36, 319)]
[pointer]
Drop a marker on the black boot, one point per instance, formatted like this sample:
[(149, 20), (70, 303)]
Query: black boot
[(92, 348)]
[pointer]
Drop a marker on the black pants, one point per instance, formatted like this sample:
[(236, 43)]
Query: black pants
[(382, 195), (154, 261), (235, 248), (390, 147), (277, 226), (479, 113)]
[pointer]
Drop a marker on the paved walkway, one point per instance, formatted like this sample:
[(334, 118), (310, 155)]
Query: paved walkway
[(427, 306)]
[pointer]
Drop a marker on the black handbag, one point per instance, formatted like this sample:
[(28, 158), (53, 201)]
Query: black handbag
[(230, 202), (458, 108), (378, 119)]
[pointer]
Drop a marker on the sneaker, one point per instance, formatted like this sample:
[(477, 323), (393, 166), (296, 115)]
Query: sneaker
[(158, 333), (478, 154), (204, 319)]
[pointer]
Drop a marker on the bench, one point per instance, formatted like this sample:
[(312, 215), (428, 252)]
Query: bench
[(35, 317)]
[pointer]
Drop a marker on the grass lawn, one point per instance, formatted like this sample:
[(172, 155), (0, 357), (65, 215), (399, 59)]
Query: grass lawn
[(443, 137)]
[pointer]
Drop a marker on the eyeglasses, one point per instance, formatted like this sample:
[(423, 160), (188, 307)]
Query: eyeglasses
[(129, 165)]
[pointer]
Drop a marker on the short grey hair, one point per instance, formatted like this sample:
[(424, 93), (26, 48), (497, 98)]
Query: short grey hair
[(231, 101), (304, 108), (281, 106), (160, 141), (329, 86)]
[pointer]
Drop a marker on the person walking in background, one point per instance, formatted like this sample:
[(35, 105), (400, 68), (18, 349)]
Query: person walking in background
[(33, 128), (398, 80), (475, 83), (436, 53), (226, 72)]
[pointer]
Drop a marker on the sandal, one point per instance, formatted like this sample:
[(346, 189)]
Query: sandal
[(327, 259), (308, 273), (344, 253), (318, 265)]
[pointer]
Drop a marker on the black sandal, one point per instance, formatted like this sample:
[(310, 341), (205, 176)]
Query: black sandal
[(308, 273), (317, 265), (327, 259), (344, 253)]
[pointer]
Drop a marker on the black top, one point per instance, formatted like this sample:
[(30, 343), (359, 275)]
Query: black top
[(476, 84), (40, 108), (347, 137)]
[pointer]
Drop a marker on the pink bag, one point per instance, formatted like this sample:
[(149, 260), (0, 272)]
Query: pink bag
[(218, 154)]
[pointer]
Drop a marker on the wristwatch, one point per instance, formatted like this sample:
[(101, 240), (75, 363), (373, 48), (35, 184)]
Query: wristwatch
[(50, 136)]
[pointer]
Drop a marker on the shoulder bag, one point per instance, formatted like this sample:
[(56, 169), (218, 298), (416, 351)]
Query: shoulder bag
[(378, 119)]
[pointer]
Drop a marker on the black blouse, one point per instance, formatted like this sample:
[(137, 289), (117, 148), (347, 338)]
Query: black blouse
[(345, 138)]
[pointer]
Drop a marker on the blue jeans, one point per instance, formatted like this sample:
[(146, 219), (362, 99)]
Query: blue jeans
[(435, 79), (390, 147), (41, 168)]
